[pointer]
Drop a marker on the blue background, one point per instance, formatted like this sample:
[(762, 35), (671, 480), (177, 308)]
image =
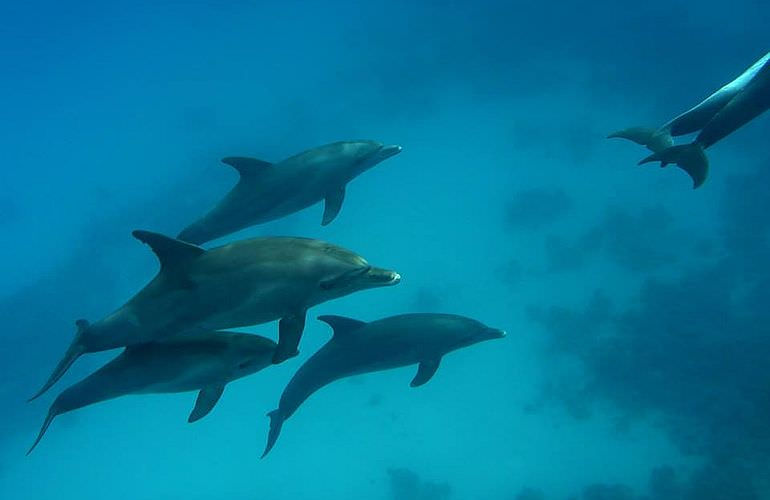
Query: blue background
[(635, 307)]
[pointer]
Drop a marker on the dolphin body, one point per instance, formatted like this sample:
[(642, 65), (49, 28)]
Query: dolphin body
[(269, 191), (202, 361), (243, 283), (358, 347), (719, 115)]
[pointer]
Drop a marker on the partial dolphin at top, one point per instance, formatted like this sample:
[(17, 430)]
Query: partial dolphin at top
[(719, 115), (267, 191)]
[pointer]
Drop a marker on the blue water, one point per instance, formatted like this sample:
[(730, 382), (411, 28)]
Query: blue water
[(635, 365)]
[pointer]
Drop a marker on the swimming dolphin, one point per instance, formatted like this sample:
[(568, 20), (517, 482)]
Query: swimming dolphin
[(358, 347), (243, 283), (269, 191), (719, 115), (202, 361)]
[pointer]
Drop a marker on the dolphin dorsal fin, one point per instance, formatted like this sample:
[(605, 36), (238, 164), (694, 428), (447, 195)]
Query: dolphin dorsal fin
[(170, 252), (247, 167), (341, 325)]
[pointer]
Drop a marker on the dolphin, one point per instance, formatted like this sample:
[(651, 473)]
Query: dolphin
[(243, 283), (267, 191), (719, 115), (201, 361), (358, 347)]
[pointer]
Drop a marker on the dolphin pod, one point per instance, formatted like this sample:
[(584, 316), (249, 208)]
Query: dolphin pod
[(716, 117), (267, 191), (203, 361), (171, 331), (243, 283), (357, 347)]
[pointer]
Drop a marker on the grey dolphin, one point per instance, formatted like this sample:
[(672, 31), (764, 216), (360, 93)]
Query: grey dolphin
[(243, 283), (202, 361), (358, 347), (716, 117), (268, 191)]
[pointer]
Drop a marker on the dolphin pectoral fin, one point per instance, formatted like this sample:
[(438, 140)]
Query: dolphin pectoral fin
[(425, 372), (689, 157), (207, 399), (289, 332), (276, 422), (333, 205), (74, 351), (654, 139), (48, 419), (170, 252), (247, 167)]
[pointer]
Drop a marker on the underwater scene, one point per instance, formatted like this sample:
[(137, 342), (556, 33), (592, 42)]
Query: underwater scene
[(388, 250)]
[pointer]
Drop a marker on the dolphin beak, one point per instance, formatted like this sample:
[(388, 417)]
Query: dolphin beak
[(495, 333), (393, 278), (384, 277), (386, 152)]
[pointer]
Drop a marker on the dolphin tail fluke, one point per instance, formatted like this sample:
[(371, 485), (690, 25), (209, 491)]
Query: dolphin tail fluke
[(689, 157), (48, 419), (73, 352), (655, 140), (276, 422)]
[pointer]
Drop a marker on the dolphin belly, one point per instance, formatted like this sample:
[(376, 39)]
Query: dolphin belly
[(265, 303)]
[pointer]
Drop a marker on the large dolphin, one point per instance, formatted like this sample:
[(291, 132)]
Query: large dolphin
[(719, 115), (358, 347), (269, 191), (243, 283), (202, 361)]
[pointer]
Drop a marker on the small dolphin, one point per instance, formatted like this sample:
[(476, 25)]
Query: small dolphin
[(202, 361), (243, 283), (719, 115), (269, 191), (358, 347)]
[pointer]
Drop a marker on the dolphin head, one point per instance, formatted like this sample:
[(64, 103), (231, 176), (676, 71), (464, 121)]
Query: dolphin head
[(366, 154), (345, 272)]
